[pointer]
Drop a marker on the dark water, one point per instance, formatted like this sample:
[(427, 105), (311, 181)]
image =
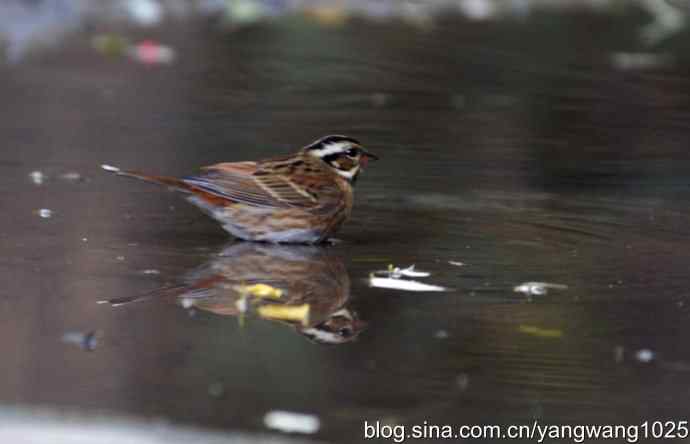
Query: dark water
[(517, 149)]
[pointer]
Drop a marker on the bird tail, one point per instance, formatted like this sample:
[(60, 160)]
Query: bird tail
[(172, 182), (171, 291), (201, 289)]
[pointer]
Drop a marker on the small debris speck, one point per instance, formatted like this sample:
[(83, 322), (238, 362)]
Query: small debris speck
[(152, 53), (37, 177), (216, 389), (539, 331), (110, 168), (45, 213), (242, 305), (86, 341), (380, 99), (145, 12), (397, 272), (391, 278), (71, 176), (463, 381), (538, 288), (441, 334), (644, 355), (402, 284), (639, 61), (120, 258), (618, 353), (290, 422)]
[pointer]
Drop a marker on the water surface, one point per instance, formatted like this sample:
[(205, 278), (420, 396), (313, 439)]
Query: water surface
[(516, 149)]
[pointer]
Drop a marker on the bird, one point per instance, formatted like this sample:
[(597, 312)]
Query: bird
[(301, 198), (308, 276)]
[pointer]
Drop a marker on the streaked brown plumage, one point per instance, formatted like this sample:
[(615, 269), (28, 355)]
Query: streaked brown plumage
[(305, 274), (301, 198)]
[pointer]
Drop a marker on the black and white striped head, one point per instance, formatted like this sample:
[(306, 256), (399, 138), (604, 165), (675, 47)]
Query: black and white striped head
[(344, 154), (341, 326)]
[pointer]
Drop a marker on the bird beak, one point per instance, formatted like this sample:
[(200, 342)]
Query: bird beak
[(366, 157), (358, 325), (370, 155)]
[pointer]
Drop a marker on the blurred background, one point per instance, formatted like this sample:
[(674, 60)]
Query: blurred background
[(534, 161)]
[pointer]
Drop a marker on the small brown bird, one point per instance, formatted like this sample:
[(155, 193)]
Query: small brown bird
[(301, 198)]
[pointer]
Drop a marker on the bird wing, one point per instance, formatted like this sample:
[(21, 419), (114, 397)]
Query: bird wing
[(255, 184)]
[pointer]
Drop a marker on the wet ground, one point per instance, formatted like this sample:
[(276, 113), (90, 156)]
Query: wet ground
[(518, 149)]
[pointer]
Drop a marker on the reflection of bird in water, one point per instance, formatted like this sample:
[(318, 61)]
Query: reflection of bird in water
[(310, 276)]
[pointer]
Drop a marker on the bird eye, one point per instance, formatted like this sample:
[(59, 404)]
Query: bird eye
[(352, 152)]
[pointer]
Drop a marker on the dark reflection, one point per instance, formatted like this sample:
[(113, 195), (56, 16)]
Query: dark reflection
[(312, 280)]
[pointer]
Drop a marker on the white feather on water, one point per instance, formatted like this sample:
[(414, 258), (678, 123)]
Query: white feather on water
[(112, 169), (403, 284)]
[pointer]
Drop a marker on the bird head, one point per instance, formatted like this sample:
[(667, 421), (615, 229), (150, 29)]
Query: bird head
[(341, 326), (345, 155)]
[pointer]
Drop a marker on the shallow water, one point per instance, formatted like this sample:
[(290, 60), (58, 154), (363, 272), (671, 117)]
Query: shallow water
[(526, 159)]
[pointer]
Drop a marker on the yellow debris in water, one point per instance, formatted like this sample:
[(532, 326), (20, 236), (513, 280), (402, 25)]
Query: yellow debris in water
[(110, 44), (295, 313), (538, 331), (260, 291), (329, 16)]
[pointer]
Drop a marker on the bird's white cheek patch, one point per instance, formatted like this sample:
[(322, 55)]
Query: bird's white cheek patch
[(323, 336), (347, 174)]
